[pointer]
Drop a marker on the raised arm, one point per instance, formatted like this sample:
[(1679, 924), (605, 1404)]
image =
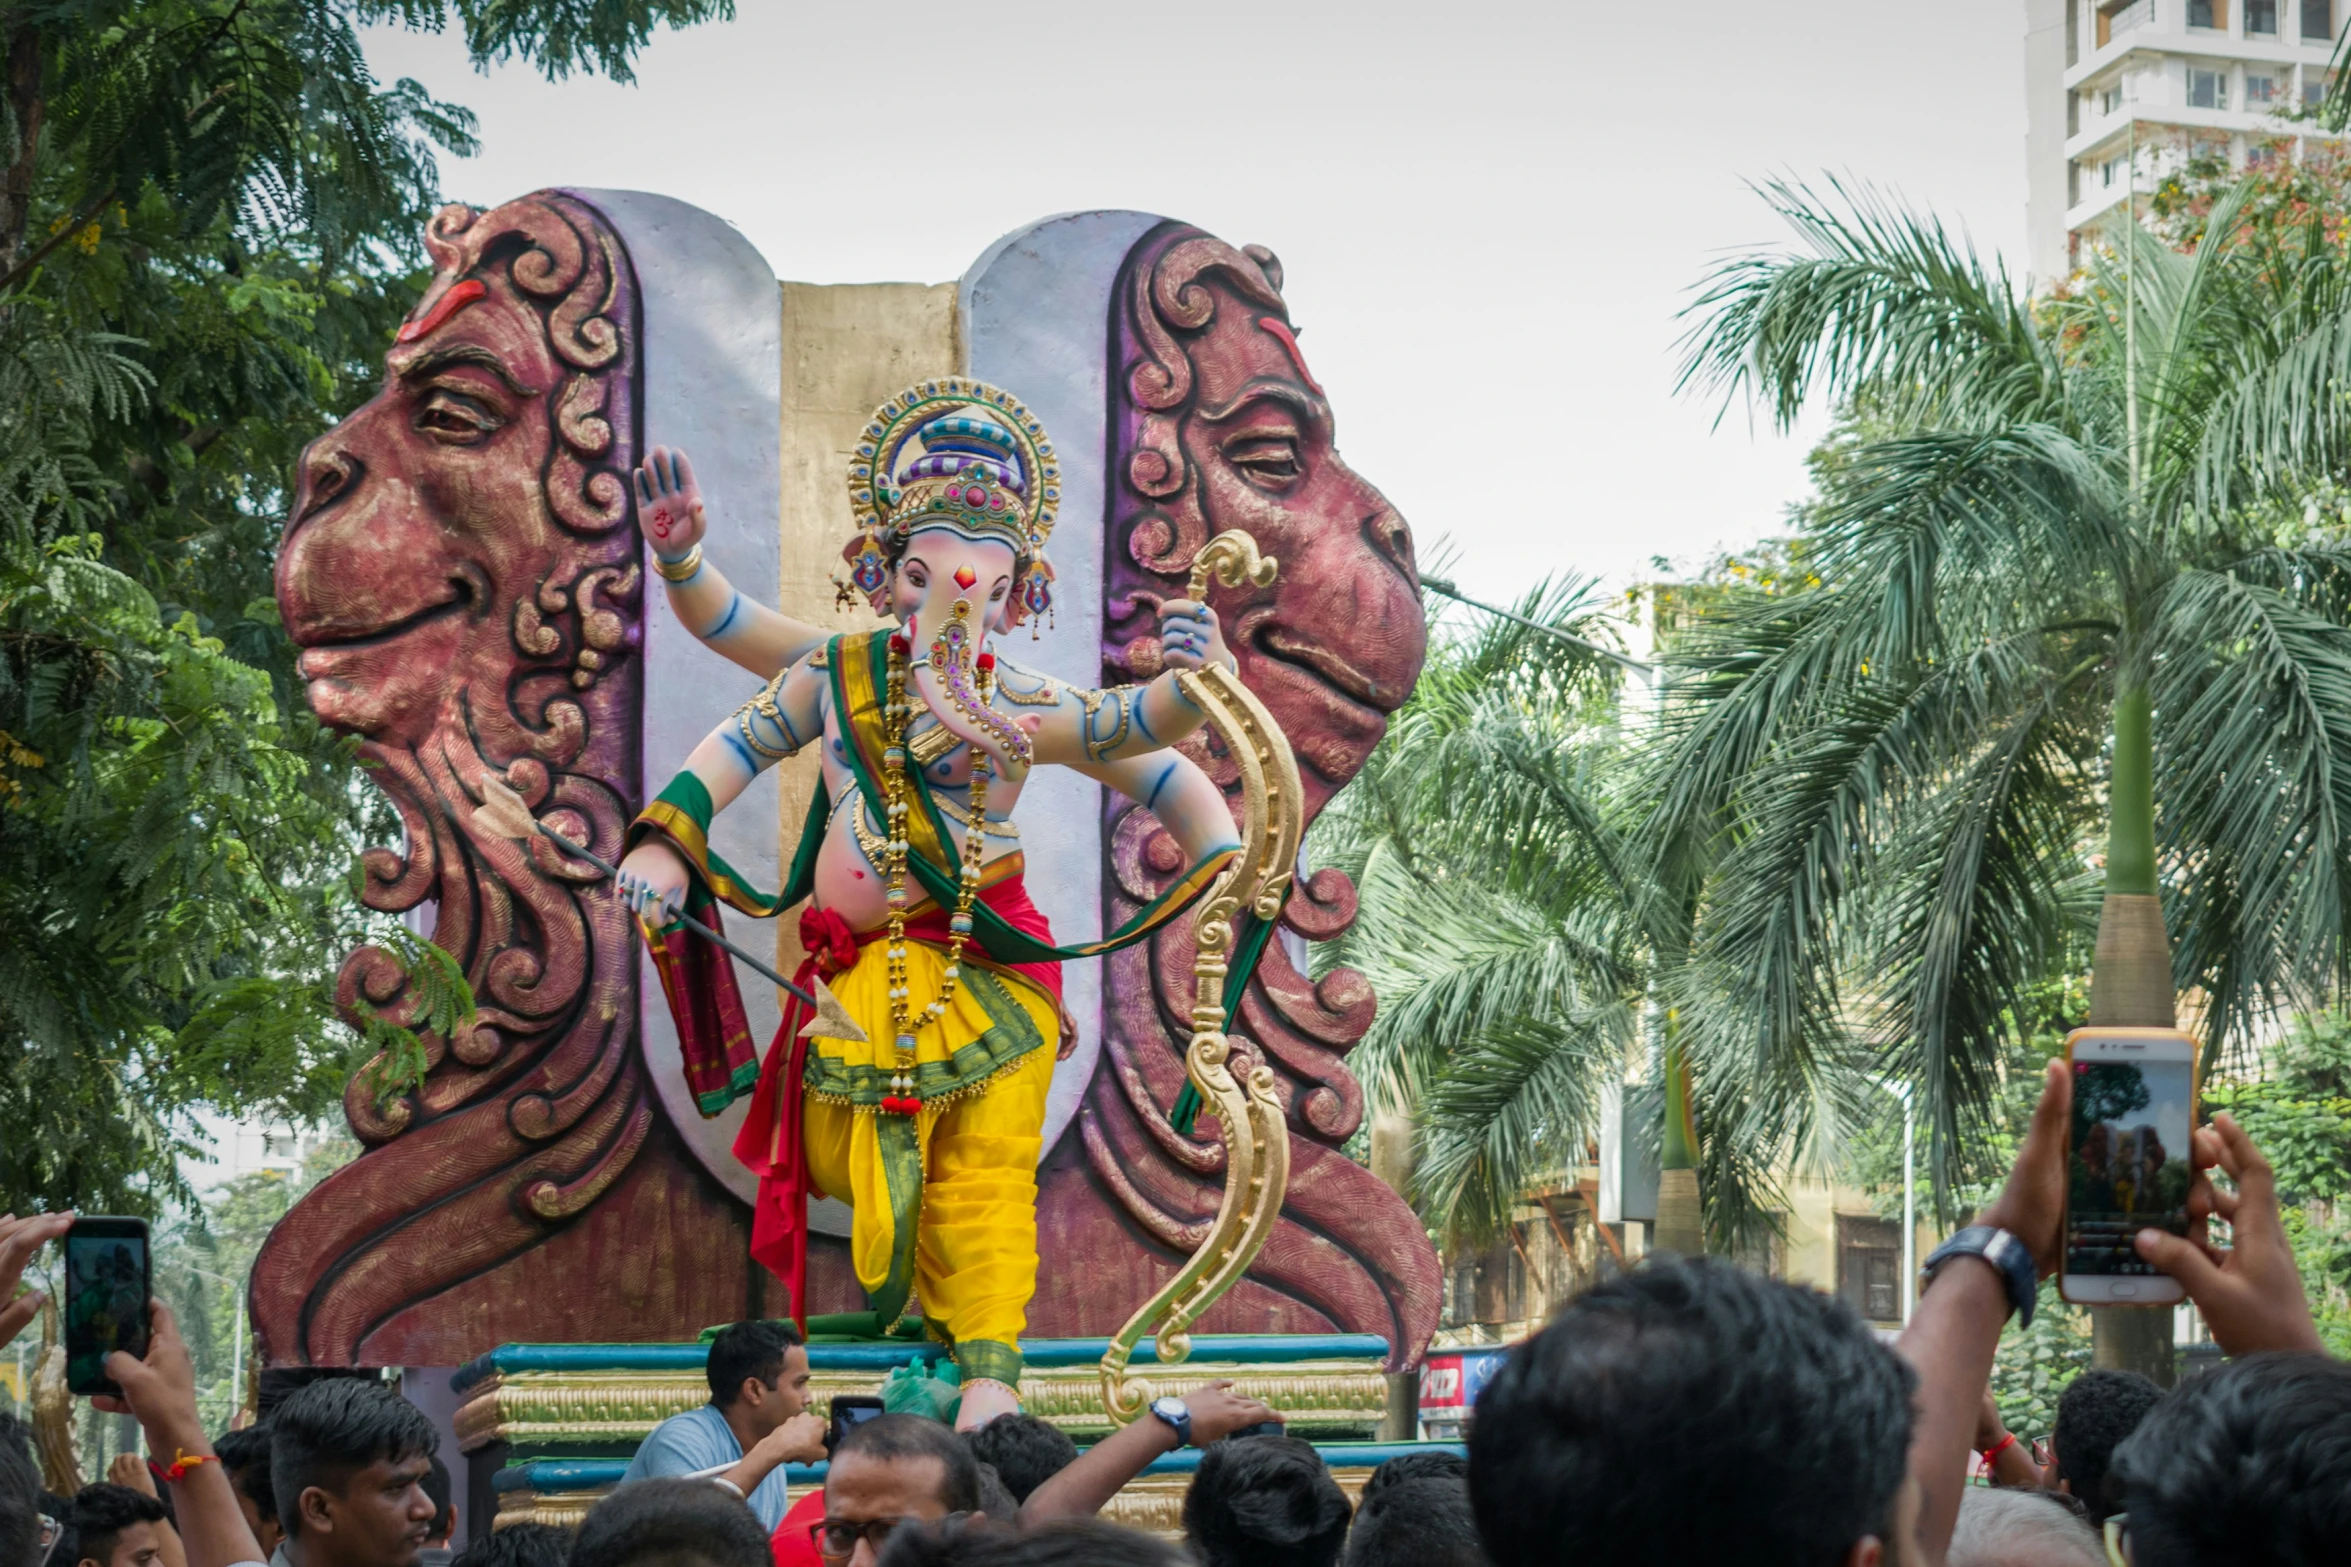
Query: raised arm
[(1956, 1325), (1171, 786), (1130, 721), (787, 715), (670, 512)]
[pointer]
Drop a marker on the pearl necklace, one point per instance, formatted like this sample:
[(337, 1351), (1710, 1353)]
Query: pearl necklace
[(905, 1022)]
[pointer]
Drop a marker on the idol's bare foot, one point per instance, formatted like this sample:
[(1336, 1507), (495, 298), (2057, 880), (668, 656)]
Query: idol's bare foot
[(984, 1399)]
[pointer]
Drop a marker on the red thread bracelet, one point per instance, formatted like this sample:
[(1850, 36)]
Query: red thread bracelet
[(1990, 1454), (183, 1461)]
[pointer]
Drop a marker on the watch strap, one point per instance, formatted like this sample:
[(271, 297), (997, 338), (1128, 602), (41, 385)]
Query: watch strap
[(2011, 1257), (1177, 1417)]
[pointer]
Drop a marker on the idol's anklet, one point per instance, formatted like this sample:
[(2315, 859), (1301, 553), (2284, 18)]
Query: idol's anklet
[(968, 1383)]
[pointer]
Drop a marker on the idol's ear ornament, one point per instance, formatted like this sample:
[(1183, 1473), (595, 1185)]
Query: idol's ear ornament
[(1249, 1115)]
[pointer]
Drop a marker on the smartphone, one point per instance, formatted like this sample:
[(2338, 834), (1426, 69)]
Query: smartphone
[(849, 1409), (106, 1290), (2127, 1163)]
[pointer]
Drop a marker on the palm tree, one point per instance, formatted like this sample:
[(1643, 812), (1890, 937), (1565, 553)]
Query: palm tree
[(2066, 576), (1498, 902)]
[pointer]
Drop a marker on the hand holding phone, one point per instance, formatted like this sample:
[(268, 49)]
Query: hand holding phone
[(107, 1284), (2129, 1161), (2251, 1294), (19, 1239)]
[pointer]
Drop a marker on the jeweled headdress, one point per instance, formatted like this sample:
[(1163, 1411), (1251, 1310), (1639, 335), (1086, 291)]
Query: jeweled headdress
[(984, 466)]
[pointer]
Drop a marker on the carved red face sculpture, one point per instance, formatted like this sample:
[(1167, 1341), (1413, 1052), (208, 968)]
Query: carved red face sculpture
[(1220, 425), (1235, 432), (460, 575), (427, 523)]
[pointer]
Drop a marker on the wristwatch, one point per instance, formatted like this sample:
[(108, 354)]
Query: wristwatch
[(1177, 1415), (2012, 1257)]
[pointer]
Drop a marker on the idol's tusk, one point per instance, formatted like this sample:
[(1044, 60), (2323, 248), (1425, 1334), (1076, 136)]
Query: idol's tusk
[(503, 814)]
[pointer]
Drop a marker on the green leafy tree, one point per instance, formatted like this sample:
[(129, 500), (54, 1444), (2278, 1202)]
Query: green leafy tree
[(2047, 601), (209, 220), (1499, 902)]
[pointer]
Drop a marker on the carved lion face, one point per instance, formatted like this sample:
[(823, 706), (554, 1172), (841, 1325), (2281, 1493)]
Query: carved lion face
[(442, 529), (418, 520), (1341, 641), (1231, 430)]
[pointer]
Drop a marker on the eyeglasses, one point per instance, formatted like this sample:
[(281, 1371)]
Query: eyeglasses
[(2118, 1540), (836, 1539)]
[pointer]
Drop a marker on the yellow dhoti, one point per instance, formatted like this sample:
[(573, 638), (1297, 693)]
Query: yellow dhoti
[(965, 1169)]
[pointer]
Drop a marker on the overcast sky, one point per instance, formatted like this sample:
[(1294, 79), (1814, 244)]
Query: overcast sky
[(1489, 214)]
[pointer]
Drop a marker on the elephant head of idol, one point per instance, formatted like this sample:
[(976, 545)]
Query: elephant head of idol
[(1225, 427), (460, 575)]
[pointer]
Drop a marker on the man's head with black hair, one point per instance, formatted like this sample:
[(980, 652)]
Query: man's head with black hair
[(276, 1384), (1066, 1542), (758, 1376), (245, 1456), (1265, 1501), (1026, 1451), (1416, 1523), (20, 1496), (115, 1526), (2095, 1414), (2248, 1464), (436, 1489), (1434, 1464), (752, 1350), (1691, 1411), (898, 1467), (518, 1545), (670, 1523), (348, 1459)]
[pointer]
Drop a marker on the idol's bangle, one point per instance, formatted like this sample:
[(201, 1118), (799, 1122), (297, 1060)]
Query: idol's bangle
[(683, 567)]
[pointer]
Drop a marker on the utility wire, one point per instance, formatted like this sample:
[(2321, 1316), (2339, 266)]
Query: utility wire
[(1444, 589)]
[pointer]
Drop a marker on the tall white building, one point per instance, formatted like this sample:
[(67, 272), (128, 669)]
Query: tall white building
[(2171, 78)]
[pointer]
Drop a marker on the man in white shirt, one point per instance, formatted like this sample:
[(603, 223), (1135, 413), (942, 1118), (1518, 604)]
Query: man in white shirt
[(754, 1424)]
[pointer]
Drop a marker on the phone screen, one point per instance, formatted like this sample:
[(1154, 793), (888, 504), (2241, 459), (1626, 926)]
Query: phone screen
[(105, 1301), (849, 1409), (2129, 1168)]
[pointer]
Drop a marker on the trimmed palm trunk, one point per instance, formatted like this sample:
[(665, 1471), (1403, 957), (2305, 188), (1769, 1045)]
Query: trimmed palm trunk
[(1681, 1222), (2130, 982)]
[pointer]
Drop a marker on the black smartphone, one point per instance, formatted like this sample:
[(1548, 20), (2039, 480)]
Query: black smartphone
[(1262, 1428), (849, 1409), (106, 1290)]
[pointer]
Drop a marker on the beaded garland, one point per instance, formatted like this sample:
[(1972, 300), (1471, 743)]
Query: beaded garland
[(902, 1098)]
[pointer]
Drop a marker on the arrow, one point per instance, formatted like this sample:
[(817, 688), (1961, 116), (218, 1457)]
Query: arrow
[(503, 814)]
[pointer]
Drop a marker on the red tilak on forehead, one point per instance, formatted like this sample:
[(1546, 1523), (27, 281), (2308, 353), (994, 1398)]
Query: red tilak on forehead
[(458, 297), (1281, 329)]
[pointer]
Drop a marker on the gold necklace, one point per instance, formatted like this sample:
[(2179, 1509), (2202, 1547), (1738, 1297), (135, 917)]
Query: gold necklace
[(905, 1021)]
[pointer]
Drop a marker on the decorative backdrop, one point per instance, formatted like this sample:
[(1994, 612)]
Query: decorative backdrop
[(463, 575)]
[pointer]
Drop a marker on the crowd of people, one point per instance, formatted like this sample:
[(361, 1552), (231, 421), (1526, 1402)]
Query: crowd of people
[(1686, 1411)]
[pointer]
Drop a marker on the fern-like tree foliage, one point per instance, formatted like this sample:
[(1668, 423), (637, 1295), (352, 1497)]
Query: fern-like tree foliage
[(2069, 628), (1500, 904), (209, 222)]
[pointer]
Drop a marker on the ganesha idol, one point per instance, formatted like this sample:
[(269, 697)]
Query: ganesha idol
[(540, 558)]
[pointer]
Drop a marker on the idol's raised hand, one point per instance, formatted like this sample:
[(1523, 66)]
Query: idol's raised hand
[(669, 503), (1190, 637)]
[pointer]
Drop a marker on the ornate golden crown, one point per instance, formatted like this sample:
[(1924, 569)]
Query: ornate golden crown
[(985, 468)]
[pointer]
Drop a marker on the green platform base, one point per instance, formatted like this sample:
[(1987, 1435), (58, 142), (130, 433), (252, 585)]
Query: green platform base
[(549, 1428)]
